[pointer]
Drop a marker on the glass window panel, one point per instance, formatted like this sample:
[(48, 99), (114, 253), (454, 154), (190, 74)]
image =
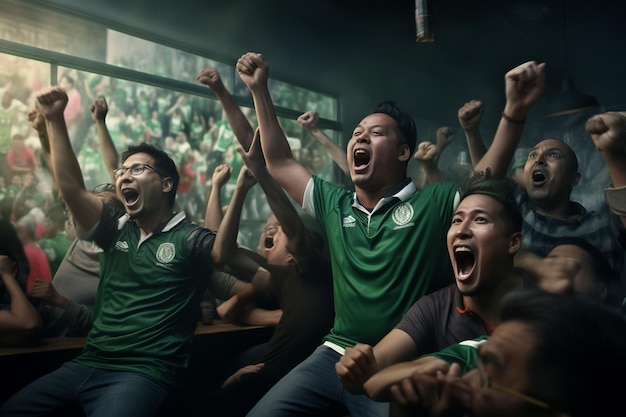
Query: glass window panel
[(140, 112), (35, 26), (23, 77), (141, 55), (301, 99), (20, 79)]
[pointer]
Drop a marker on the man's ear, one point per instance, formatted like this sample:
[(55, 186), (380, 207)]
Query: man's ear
[(167, 184), (576, 179), (405, 153), (515, 242)]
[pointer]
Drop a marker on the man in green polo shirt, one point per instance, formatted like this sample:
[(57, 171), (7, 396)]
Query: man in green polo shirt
[(152, 273), (386, 239)]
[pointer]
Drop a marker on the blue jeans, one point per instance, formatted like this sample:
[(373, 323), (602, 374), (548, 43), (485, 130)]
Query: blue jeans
[(313, 388), (101, 393)]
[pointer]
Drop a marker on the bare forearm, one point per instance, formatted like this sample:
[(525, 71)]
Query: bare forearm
[(262, 317), (24, 314), (237, 120), (433, 173), (85, 207), (616, 164), (65, 165), (475, 146), (285, 213), (109, 153), (275, 145), (336, 153), (377, 387), (499, 155), (213, 214), (226, 238), (281, 164)]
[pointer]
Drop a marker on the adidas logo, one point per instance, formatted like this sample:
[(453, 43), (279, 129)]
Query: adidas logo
[(349, 221), (121, 246)]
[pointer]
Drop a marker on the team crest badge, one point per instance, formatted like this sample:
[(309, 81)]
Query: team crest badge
[(402, 214), (166, 253)]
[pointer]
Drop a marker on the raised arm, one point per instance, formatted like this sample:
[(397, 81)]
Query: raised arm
[(38, 122), (288, 172), (524, 85), (429, 154), (470, 115), (225, 246), (426, 154), (237, 120), (213, 215), (99, 110), (608, 132), (85, 207), (310, 121), (290, 222)]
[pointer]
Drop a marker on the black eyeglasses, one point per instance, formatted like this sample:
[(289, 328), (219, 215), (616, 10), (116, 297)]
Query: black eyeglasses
[(101, 188), (135, 170), (486, 382)]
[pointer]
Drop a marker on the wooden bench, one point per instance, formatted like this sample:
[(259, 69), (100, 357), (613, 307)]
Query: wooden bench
[(214, 347)]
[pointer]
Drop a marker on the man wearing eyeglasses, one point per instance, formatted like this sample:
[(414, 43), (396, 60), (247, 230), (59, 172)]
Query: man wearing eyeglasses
[(151, 276)]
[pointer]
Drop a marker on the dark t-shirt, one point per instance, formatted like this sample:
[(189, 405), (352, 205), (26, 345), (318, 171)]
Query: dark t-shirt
[(307, 303), (440, 319)]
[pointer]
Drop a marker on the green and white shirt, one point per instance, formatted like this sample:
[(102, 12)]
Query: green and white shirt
[(146, 308), (382, 261), (464, 353)]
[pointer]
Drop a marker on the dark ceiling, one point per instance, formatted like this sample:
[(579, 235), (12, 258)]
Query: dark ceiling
[(366, 50)]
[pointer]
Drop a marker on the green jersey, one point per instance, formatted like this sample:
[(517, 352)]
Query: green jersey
[(464, 353), (148, 299), (384, 260)]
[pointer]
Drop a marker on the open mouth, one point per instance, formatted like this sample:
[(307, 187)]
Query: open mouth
[(465, 261), (269, 242), (361, 158), (130, 195), (539, 177)]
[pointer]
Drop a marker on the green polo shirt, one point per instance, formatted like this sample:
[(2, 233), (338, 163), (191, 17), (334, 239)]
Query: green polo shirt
[(382, 261)]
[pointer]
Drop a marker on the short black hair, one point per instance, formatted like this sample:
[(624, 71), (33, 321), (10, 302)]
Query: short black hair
[(578, 339), (503, 190), (164, 165), (406, 124)]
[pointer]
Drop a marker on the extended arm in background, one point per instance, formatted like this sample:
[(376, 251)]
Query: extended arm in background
[(524, 85), (86, 208), (470, 115), (284, 168), (310, 121), (237, 120), (214, 215), (608, 132), (99, 110)]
